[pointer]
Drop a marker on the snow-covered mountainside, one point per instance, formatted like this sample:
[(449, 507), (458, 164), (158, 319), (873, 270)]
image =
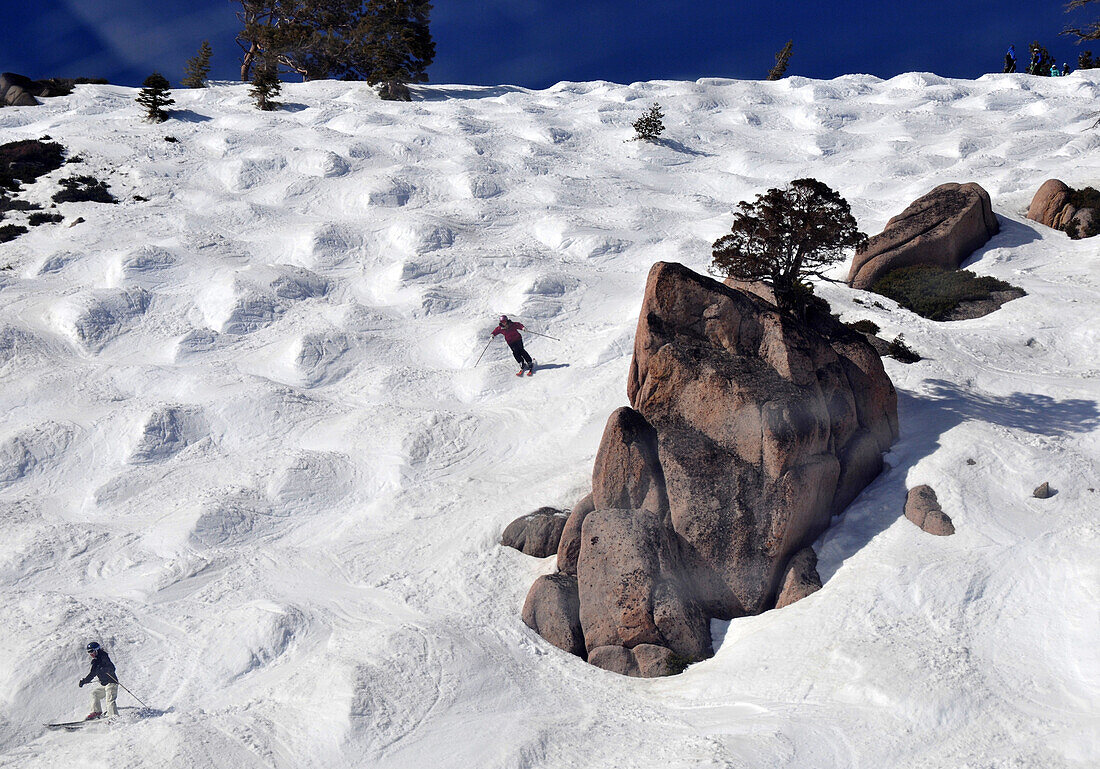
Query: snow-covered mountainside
[(244, 445)]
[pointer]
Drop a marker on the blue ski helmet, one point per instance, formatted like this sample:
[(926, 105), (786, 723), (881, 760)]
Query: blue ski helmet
[(92, 647)]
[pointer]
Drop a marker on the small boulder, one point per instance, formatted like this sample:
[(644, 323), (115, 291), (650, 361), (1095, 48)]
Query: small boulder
[(1043, 491), (16, 90), (940, 229), (552, 610), (643, 661), (801, 578), (923, 509), (570, 545), (536, 533), (1048, 202)]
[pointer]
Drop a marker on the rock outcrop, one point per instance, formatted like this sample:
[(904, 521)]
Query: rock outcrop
[(537, 533), (16, 90), (801, 578), (940, 229), (747, 432), (923, 508), (1054, 205)]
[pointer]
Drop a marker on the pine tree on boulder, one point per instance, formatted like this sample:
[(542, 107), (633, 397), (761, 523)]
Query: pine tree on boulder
[(155, 96), (786, 236), (198, 67), (649, 126)]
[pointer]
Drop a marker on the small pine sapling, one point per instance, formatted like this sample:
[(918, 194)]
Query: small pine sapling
[(265, 86), (781, 60), (649, 125), (155, 97), (198, 67)]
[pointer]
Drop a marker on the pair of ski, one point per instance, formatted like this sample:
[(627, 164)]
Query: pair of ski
[(72, 726), (529, 371)]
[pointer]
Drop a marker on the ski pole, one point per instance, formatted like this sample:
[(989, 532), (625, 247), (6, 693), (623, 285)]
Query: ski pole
[(536, 333), (130, 693), (483, 351)]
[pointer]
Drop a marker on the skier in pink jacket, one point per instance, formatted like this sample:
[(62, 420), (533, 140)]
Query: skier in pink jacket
[(511, 330)]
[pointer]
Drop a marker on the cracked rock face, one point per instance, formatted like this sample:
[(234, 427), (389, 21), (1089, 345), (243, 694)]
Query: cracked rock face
[(746, 433)]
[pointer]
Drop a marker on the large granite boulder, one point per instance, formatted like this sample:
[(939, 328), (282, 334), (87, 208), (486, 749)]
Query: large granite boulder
[(17, 90), (940, 229), (1054, 206), (746, 432), (537, 533), (765, 428)]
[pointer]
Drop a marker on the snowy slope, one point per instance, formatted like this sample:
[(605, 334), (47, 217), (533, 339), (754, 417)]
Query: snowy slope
[(244, 445)]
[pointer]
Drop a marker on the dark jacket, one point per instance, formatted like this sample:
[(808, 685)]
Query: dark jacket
[(102, 668)]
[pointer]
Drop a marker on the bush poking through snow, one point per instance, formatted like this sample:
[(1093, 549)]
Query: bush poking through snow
[(265, 86), (155, 97), (649, 125), (83, 189), (43, 217), (937, 293), (11, 232), (25, 161), (864, 326), (899, 350)]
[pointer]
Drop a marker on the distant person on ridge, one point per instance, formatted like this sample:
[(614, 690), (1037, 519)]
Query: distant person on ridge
[(511, 330), (1010, 59), (1065, 68), (104, 670)]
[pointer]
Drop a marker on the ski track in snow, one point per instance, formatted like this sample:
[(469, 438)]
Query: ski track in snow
[(244, 444)]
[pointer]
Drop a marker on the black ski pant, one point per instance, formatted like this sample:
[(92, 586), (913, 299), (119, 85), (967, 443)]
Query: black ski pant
[(519, 353)]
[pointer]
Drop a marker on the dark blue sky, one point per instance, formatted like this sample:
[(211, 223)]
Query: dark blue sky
[(536, 43)]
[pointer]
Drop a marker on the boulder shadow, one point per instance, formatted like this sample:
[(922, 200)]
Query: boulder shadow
[(925, 417)]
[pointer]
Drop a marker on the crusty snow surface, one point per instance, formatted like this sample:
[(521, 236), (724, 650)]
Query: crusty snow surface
[(244, 444)]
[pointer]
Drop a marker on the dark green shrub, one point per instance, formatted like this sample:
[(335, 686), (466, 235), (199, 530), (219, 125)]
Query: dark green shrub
[(935, 292), (83, 189), (864, 326), (14, 204), (649, 126), (678, 663), (1087, 197), (25, 161), (11, 232), (43, 217), (899, 350)]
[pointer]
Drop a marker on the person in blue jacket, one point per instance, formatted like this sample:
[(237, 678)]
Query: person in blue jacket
[(107, 691), (1010, 59)]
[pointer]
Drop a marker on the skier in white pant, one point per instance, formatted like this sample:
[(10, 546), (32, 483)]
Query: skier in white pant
[(107, 691)]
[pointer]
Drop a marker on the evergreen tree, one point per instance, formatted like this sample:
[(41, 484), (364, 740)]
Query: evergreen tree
[(265, 86), (198, 67), (649, 125), (155, 97), (785, 236), (1091, 30), (781, 60), (1085, 61), (379, 41), (398, 46)]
